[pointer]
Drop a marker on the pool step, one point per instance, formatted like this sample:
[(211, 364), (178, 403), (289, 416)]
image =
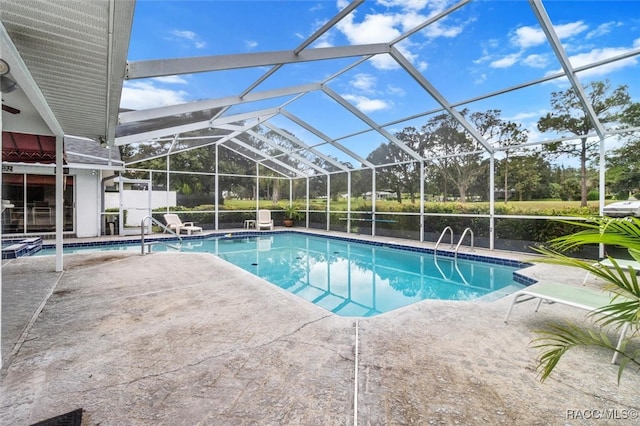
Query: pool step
[(19, 248)]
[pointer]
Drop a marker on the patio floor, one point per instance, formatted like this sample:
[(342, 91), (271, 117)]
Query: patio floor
[(177, 338)]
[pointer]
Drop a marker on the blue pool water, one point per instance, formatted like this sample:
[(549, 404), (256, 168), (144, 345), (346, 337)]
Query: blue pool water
[(352, 278)]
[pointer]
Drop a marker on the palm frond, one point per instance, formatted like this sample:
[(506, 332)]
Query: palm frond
[(622, 283), (559, 339), (613, 231)]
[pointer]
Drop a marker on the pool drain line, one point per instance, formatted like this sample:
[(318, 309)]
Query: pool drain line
[(355, 381)]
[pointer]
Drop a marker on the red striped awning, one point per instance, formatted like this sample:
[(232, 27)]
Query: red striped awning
[(26, 148)]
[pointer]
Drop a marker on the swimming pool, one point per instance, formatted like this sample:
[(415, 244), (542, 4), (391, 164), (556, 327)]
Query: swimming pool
[(354, 278)]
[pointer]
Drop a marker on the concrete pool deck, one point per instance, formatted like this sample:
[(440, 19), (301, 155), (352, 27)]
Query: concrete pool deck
[(186, 339)]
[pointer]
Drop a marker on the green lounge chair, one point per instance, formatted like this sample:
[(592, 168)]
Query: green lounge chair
[(577, 297)]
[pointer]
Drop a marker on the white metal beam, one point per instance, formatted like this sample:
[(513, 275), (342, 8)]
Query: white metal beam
[(265, 157), (260, 115), (179, 66), (362, 116), (426, 85), (298, 142), (326, 138), (284, 151), (556, 45), (151, 113)]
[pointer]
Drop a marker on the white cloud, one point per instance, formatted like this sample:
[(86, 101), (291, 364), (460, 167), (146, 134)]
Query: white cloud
[(144, 94), (596, 55), (366, 104), (395, 90), (364, 82), (570, 30), (373, 29), (171, 79), (250, 44), (602, 29), (525, 37), (385, 27), (524, 116), (536, 61), (189, 36), (506, 61), (480, 79)]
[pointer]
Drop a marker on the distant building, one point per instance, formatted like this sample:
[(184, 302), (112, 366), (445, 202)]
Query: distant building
[(380, 195)]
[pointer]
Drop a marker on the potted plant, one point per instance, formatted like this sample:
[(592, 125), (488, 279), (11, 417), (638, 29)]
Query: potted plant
[(291, 214)]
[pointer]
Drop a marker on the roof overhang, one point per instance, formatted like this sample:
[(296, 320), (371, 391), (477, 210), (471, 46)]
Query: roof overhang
[(68, 59)]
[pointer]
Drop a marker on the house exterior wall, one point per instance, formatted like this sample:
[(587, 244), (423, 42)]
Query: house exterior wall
[(87, 197)]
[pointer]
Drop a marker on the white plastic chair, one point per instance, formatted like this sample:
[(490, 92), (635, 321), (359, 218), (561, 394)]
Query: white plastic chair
[(264, 219)]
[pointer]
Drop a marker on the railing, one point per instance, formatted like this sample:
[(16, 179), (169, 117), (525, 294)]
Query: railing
[(462, 238), (444, 231), (150, 244)]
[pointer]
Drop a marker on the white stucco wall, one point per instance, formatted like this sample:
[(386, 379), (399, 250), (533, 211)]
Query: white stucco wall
[(136, 203), (87, 195)]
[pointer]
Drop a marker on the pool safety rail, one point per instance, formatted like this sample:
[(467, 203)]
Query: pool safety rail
[(148, 245), (448, 229)]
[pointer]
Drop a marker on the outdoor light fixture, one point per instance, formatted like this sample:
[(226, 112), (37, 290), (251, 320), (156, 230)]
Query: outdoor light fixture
[(4, 67), (7, 85)]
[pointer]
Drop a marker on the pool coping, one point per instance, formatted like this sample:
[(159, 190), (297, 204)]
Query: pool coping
[(408, 245)]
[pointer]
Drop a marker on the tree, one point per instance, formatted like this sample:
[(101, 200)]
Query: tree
[(398, 171), (568, 115), (458, 155), (624, 169), (526, 175), (510, 136)]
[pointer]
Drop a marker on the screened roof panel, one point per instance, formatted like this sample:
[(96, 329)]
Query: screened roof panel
[(489, 54), (364, 65), (438, 63), (325, 114), (383, 96)]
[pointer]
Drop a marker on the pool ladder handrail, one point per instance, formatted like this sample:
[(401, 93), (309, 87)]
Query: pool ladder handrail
[(435, 251), (461, 239), (444, 231), (150, 244)]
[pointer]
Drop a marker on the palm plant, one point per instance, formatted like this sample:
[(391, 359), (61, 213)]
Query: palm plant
[(624, 308)]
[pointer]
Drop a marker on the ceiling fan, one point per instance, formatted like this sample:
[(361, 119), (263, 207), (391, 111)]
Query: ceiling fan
[(7, 85), (10, 109)]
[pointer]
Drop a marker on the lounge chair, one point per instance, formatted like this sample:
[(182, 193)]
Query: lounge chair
[(607, 263), (577, 297), (264, 219), (176, 225)]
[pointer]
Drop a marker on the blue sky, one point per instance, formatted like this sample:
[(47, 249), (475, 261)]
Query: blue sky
[(483, 47)]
